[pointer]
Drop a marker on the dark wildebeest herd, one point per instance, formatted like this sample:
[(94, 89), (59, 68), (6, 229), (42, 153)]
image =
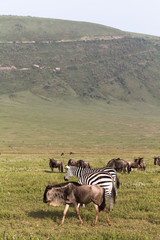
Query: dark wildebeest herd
[(94, 184)]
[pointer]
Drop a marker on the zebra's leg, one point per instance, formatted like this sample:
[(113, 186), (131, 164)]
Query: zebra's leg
[(97, 214), (77, 211), (107, 216), (64, 213)]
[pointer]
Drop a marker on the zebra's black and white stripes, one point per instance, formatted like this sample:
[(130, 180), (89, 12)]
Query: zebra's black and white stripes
[(78, 172), (101, 178)]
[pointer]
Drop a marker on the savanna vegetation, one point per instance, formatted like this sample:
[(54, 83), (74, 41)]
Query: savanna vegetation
[(23, 215), (29, 137), (98, 99)]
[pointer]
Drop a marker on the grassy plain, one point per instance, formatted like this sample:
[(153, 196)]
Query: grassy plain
[(31, 133)]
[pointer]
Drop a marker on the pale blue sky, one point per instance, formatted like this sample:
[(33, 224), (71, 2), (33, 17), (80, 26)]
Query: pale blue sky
[(140, 16)]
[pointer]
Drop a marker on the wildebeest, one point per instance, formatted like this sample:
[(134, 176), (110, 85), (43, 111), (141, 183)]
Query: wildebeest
[(79, 163), (56, 164), (157, 161), (83, 164), (140, 162), (119, 165), (137, 164), (72, 162), (74, 193), (133, 165)]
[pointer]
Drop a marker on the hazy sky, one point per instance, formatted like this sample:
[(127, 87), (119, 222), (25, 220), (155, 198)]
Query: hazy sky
[(140, 16)]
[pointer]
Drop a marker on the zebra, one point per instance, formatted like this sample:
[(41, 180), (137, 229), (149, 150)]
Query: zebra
[(78, 172), (103, 179)]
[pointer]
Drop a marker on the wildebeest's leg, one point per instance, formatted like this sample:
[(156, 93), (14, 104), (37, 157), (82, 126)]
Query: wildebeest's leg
[(77, 211), (107, 216), (64, 213), (61, 167), (97, 214)]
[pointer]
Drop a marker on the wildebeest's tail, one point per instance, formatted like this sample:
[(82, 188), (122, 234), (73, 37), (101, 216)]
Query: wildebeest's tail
[(103, 204), (61, 167)]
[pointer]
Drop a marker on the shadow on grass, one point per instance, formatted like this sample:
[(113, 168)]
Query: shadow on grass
[(54, 215), (47, 171)]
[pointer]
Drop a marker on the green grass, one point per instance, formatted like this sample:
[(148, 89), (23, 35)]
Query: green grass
[(34, 130), (32, 125), (23, 215)]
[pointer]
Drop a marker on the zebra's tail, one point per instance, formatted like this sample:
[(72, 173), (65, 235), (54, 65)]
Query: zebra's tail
[(103, 204), (117, 181), (114, 193)]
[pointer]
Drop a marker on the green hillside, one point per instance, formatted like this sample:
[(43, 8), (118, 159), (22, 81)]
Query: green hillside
[(108, 65), (77, 85), (41, 29)]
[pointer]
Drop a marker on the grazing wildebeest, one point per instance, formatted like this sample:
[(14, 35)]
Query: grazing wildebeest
[(101, 178), (72, 162), (133, 165), (62, 154), (74, 193), (119, 165), (79, 163), (83, 164), (56, 164), (140, 162), (157, 161), (136, 163), (143, 165)]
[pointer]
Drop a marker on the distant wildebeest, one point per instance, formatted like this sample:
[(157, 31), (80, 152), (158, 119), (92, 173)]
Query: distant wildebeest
[(119, 165), (74, 193), (133, 165), (83, 164), (79, 163), (141, 163), (157, 161), (62, 154), (72, 162), (71, 153), (56, 164), (138, 163), (101, 178)]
